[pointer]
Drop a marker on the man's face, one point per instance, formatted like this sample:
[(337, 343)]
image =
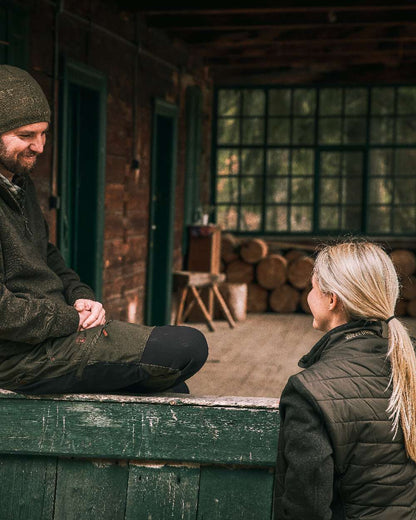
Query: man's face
[(19, 148)]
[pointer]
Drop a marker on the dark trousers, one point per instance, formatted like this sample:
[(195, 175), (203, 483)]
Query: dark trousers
[(169, 357)]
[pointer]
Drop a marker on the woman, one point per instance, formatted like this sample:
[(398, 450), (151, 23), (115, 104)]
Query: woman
[(347, 447)]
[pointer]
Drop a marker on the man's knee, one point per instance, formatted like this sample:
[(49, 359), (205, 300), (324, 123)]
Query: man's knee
[(199, 345), (176, 347)]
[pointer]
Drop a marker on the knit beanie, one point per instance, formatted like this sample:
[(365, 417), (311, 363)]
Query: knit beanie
[(22, 101)]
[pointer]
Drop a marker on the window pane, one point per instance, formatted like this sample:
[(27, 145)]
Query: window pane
[(253, 130), (329, 191), (250, 218), (301, 218), (406, 130), (330, 101), (303, 130), (329, 218), (227, 217), (302, 190), (380, 191), (279, 102), (405, 191), (228, 131), (251, 189), (330, 130), (277, 189), (252, 162), (356, 101), (352, 163), (379, 219), (277, 218), (330, 163), (382, 100), (227, 189), (278, 162), (253, 102), (406, 102), (405, 162), (404, 220), (227, 161), (382, 130), (302, 162), (279, 131), (304, 101), (351, 190), (381, 162), (228, 102), (355, 130), (351, 218)]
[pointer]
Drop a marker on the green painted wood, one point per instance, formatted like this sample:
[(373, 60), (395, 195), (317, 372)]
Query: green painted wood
[(161, 214), (88, 490), (82, 171), (227, 493), (27, 487), (160, 492), (164, 429), (192, 195)]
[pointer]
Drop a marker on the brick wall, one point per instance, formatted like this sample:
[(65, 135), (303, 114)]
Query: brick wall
[(99, 34)]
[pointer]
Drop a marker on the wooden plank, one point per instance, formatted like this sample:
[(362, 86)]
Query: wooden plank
[(235, 493), (27, 487), (160, 492), (135, 429), (90, 490)]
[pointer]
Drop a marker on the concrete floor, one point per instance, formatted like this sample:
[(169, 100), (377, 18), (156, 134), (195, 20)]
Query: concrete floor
[(256, 358)]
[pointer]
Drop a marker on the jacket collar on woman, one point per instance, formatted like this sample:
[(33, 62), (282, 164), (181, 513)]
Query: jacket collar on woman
[(350, 330)]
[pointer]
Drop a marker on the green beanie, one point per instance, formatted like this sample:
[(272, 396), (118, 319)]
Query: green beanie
[(22, 101)]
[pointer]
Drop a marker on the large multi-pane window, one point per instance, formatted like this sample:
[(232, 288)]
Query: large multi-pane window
[(316, 160)]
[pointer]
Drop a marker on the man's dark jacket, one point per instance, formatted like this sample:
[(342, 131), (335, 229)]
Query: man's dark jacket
[(37, 290), (337, 456)]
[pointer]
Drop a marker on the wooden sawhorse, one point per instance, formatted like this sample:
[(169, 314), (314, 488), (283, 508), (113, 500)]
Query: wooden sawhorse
[(191, 282)]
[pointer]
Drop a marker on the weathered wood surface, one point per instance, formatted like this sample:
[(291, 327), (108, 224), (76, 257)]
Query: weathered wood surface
[(127, 457), (127, 427)]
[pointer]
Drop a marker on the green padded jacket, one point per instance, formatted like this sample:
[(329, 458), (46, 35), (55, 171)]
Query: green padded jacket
[(337, 455), (37, 290)]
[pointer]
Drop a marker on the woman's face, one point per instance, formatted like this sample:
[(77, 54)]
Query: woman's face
[(320, 305)]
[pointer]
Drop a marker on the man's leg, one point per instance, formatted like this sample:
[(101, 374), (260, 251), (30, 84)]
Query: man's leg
[(168, 357)]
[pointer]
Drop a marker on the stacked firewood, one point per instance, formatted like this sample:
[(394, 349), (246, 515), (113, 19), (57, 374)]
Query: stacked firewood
[(277, 281), (404, 261)]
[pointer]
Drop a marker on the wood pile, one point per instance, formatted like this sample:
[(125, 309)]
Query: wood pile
[(404, 261), (277, 281)]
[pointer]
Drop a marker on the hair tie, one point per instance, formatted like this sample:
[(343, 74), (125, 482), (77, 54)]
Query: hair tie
[(389, 319)]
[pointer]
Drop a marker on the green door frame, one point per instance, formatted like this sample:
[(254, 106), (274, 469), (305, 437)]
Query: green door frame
[(81, 75), (161, 214), (192, 195)]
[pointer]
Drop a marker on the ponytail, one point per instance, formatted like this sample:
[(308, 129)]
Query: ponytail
[(364, 278), (402, 405)]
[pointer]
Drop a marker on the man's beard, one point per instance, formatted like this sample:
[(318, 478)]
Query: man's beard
[(12, 164)]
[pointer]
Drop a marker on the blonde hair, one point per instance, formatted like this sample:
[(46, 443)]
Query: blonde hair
[(363, 277)]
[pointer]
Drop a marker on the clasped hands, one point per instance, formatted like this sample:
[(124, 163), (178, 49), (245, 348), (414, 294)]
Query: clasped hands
[(91, 313)]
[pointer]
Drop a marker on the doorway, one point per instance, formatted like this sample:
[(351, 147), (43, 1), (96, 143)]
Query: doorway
[(162, 213), (81, 212)]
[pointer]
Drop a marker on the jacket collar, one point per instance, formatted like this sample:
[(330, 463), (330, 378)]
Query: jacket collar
[(12, 192), (335, 335)]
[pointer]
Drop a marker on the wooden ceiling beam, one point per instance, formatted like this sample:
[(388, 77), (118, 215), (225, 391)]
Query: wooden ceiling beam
[(213, 48), (408, 6), (302, 59), (294, 26)]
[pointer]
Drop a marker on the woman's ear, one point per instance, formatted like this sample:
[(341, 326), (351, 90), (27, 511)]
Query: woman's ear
[(334, 301)]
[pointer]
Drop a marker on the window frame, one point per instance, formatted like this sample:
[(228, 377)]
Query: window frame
[(366, 147)]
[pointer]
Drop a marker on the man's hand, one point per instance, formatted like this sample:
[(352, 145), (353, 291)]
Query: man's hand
[(91, 313)]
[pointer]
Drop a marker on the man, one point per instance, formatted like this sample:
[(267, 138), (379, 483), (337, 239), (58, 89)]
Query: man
[(54, 336)]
